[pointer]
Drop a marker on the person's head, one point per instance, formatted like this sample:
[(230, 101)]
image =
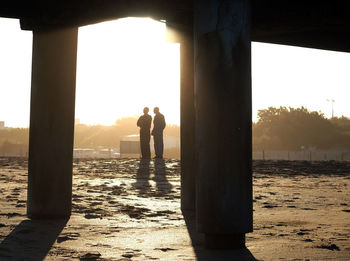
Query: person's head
[(156, 110), (145, 110)]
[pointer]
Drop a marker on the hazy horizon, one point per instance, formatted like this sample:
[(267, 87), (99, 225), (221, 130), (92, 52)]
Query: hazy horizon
[(119, 73)]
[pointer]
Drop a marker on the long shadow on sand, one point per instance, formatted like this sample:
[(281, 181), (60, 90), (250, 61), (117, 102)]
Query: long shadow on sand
[(142, 177), (160, 177), (31, 239), (204, 254)]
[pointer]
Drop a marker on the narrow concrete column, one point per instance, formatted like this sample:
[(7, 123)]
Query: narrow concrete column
[(223, 121), (52, 123), (188, 177)]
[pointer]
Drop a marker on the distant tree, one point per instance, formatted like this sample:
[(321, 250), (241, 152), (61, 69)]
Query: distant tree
[(289, 128), (14, 141), (343, 123)]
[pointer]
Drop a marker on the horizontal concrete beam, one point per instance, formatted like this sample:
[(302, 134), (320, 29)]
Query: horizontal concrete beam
[(312, 24)]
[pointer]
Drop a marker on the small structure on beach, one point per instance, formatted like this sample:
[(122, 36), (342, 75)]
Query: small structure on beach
[(130, 145)]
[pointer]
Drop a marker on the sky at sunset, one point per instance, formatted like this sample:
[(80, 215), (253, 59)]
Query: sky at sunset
[(126, 64)]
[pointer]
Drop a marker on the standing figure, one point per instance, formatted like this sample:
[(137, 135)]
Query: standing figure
[(144, 122), (157, 132)]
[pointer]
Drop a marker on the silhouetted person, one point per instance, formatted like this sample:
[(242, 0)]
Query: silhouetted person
[(157, 132), (144, 122)]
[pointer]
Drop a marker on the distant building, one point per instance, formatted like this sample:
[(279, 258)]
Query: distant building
[(2, 125), (129, 145)]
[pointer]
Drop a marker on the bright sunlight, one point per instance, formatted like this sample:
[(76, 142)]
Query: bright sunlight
[(126, 64), (123, 66)]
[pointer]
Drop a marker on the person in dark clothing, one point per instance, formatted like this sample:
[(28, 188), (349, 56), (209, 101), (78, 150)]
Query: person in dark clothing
[(144, 122), (157, 132)]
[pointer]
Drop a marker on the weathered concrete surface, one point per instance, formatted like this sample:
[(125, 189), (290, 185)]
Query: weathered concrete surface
[(313, 24), (127, 210), (223, 117), (52, 123), (187, 115)]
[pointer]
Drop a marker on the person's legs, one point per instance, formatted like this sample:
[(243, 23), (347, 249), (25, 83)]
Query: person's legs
[(142, 147), (144, 144), (147, 148), (161, 146), (157, 145)]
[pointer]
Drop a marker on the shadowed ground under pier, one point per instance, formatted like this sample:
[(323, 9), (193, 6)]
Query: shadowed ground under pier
[(128, 209)]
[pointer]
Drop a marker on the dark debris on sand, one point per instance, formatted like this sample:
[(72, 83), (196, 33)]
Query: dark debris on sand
[(329, 247)]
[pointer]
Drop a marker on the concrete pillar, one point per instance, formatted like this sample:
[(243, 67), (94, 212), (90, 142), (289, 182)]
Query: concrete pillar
[(52, 123), (223, 121), (187, 121)]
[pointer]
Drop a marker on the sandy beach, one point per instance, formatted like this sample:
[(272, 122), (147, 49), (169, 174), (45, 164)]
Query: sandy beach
[(127, 209)]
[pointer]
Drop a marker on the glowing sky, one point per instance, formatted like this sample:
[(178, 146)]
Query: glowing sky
[(126, 64), (122, 72)]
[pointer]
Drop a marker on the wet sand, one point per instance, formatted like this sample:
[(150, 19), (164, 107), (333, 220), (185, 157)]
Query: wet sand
[(126, 209)]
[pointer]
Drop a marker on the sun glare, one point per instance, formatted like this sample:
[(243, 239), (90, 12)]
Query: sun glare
[(123, 66), (126, 64)]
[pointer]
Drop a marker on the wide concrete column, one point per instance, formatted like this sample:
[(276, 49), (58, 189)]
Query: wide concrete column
[(187, 115), (52, 123), (223, 121)]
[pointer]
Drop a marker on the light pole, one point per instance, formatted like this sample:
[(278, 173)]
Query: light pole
[(332, 102)]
